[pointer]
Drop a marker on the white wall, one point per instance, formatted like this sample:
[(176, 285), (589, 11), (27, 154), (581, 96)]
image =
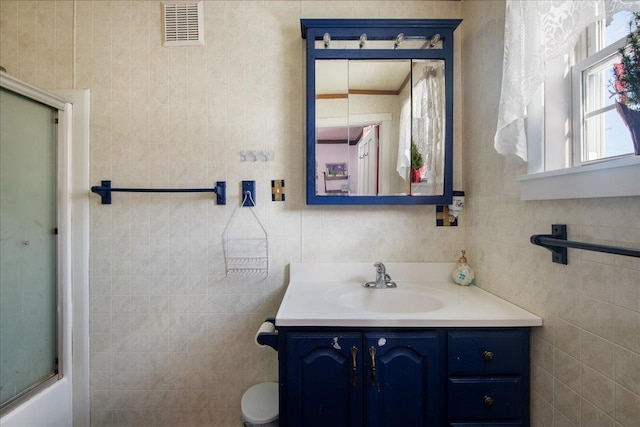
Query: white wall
[(171, 339)]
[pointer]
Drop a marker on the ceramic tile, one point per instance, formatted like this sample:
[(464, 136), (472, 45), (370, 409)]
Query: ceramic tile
[(598, 389), (567, 370), (627, 367), (597, 353), (627, 406), (541, 411), (597, 317), (627, 325), (567, 402), (171, 116)]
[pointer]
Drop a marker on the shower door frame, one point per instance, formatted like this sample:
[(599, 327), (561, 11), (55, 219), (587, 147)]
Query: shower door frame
[(51, 402)]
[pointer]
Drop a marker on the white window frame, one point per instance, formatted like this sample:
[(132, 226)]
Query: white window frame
[(555, 169)]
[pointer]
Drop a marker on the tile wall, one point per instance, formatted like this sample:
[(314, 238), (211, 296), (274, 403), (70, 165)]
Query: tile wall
[(586, 359), (171, 339)]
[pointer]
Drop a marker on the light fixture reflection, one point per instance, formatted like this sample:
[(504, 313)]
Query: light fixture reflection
[(327, 39), (434, 40), (399, 39), (363, 40)]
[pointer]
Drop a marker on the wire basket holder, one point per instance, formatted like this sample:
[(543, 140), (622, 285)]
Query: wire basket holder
[(246, 255)]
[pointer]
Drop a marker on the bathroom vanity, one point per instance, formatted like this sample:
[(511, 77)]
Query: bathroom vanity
[(427, 353)]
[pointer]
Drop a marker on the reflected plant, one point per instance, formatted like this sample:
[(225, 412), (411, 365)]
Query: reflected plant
[(417, 161), (627, 71)]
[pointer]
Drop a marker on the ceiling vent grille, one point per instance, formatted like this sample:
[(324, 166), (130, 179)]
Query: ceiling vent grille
[(183, 24)]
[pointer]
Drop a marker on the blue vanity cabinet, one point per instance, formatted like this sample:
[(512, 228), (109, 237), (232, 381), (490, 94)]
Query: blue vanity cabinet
[(380, 377), (488, 377), (403, 378), (323, 379), (372, 379)]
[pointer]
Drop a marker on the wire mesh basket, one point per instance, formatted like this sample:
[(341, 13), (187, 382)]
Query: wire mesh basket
[(246, 254)]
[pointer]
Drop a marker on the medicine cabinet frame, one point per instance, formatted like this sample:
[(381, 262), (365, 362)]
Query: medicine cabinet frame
[(378, 29)]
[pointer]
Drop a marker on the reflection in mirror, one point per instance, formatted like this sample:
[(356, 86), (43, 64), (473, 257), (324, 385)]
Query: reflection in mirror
[(379, 110), (423, 149), (357, 116), (383, 121), (399, 42)]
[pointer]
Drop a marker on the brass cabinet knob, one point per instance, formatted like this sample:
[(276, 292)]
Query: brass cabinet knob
[(488, 401), (488, 355)]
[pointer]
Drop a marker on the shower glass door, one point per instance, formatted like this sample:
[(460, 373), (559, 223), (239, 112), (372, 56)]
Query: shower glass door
[(28, 254)]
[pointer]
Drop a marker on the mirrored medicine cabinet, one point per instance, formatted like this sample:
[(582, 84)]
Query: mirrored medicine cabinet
[(379, 111)]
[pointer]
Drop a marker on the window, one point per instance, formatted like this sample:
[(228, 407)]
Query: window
[(579, 146), (598, 129)]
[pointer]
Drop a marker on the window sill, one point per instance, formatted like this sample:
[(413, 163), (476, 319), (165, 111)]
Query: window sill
[(615, 178)]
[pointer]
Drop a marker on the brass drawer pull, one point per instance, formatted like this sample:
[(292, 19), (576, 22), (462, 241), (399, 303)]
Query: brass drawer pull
[(488, 355), (488, 401), (354, 368), (372, 353)]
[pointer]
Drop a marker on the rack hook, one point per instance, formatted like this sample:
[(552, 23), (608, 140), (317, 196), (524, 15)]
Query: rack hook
[(248, 190)]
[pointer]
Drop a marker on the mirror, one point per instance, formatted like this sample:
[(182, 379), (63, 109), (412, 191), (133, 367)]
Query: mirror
[(379, 111)]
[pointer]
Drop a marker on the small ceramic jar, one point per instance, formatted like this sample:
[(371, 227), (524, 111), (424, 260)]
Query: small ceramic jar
[(463, 273)]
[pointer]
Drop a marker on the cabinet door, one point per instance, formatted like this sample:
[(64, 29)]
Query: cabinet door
[(324, 385), (406, 387)]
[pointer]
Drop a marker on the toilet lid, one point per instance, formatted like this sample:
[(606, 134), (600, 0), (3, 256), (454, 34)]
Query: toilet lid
[(260, 403)]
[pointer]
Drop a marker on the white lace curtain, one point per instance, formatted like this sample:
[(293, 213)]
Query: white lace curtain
[(534, 32), (425, 124)]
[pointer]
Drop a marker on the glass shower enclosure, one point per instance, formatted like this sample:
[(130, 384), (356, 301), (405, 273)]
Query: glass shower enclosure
[(28, 247)]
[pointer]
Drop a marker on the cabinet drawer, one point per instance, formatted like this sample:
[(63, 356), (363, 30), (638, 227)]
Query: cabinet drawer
[(485, 398), (488, 352)]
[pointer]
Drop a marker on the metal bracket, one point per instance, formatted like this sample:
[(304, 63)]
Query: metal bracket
[(558, 253), (221, 192), (248, 193), (104, 191)]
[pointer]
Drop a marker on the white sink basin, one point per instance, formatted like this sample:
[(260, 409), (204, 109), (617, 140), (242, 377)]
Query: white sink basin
[(392, 300), (331, 295)]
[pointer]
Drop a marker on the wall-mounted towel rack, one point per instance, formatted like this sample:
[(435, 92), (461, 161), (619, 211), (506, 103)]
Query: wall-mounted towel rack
[(105, 191), (557, 243)]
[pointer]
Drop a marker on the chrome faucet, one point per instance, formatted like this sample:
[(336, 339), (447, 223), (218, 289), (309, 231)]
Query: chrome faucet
[(383, 280)]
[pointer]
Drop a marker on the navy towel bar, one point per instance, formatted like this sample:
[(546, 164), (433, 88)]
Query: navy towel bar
[(105, 191), (557, 243)]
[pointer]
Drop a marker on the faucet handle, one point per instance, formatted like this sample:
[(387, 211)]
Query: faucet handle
[(380, 268)]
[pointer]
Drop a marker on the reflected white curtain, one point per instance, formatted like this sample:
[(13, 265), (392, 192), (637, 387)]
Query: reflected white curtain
[(403, 166), (424, 114), (536, 31)]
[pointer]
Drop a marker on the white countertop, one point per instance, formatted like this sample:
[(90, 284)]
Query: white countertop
[(308, 301)]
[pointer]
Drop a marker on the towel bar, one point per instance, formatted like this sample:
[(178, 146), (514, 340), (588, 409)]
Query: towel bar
[(557, 243), (105, 191)]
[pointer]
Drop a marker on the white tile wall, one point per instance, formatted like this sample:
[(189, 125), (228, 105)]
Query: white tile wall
[(587, 356), (171, 340)]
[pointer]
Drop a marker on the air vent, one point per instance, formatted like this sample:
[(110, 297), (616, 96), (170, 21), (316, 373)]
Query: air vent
[(183, 24)]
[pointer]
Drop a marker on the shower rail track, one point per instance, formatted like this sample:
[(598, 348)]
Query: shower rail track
[(557, 243), (105, 190)]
